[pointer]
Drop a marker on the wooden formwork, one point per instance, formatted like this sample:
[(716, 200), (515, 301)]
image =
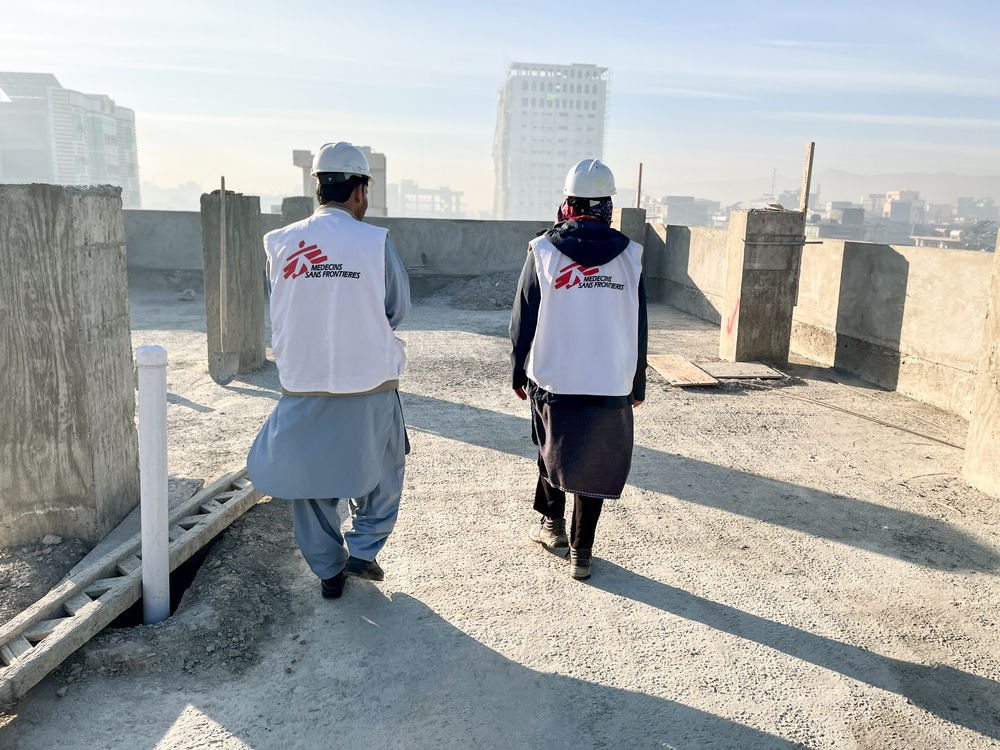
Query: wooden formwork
[(39, 639)]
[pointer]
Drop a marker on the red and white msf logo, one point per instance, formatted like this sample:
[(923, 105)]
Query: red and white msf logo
[(573, 274), (297, 264)]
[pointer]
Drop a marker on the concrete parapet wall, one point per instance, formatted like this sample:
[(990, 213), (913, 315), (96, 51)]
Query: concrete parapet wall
[(905, 318), (461, 247), (982, 453), (686, 267), (68, 447), (171, 241), (165, 246)]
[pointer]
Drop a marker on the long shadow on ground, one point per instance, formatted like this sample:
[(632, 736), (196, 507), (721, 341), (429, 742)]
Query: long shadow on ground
[(393, 673), (858, 523), (956, 696)]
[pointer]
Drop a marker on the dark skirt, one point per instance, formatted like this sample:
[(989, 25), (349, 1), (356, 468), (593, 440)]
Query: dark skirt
[(583, 450)]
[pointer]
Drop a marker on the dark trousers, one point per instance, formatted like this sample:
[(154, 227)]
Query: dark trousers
[(551, 502)]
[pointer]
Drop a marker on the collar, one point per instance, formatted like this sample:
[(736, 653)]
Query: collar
[(328, 209)]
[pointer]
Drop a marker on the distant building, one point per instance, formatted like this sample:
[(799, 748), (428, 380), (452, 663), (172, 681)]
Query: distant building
[(548, 118), (377, 205), (409, 199), (688, 211), (976, 209), (52, 134)]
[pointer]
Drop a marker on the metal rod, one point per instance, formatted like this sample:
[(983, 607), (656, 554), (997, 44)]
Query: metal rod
[(807, 172), (638, 190), (223, 296), (151, 362)]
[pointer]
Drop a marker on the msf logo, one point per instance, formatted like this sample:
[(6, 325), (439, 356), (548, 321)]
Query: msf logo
[(573, 274), (297, 265)]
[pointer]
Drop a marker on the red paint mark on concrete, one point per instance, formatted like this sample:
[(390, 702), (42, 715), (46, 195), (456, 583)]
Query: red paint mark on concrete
[(732, 319)]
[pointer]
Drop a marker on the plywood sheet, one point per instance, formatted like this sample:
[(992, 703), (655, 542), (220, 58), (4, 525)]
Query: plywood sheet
[(737, 370), (679, 372)]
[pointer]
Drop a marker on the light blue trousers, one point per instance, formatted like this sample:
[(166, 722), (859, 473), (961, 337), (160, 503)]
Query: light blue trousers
[(373, 516)]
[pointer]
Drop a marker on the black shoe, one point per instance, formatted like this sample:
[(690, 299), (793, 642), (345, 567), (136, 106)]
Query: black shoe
[(366, 569), (333, 587)]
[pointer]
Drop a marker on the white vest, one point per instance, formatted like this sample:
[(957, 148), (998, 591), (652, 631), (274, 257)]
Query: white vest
[(587, 338), (330, 333)]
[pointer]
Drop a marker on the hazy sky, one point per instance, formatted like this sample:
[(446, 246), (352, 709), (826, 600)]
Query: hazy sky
[(699, 90)]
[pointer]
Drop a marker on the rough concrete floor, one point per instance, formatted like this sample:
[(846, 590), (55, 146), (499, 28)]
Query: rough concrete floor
[(778, 574)]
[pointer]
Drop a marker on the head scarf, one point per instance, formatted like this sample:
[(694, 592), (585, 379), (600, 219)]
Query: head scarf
[(584, 208)]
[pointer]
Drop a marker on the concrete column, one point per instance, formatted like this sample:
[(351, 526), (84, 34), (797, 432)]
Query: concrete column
[(244, 277), (296, 208), (982, 448), (763, 256), (631, 222), (68, 451)]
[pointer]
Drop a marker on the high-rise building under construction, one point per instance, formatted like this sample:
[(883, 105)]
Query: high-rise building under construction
[(53, 134), (548, 118)]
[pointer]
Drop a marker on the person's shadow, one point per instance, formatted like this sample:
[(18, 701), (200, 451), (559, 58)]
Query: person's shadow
[(384, 672), (956, 696), (859, 523)]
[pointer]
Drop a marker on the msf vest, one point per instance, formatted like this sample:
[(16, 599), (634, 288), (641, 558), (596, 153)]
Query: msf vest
[(587, 337), (329, 329)]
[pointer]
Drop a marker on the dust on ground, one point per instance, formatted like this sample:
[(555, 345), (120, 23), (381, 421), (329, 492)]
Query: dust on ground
[(778, 574)]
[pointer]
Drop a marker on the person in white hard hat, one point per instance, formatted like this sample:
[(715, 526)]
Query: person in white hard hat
[(338, 289), (578, 331)]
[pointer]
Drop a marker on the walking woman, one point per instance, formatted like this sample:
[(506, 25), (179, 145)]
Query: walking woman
[(578, 331)]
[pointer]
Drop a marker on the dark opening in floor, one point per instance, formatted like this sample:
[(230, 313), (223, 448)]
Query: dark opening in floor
[(180, 581)]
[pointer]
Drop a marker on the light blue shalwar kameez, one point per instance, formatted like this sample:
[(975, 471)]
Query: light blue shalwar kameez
[(316, 450)]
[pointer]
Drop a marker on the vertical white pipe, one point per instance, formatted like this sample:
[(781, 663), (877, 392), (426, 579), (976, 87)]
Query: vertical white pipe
[(152, 364)]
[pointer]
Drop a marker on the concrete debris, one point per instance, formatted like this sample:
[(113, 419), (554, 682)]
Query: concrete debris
[(61, 692), (491, 291), (50, 539), (186, 296)]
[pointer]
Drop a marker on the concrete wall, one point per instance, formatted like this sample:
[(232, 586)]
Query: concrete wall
[(686, 267), (982, 452), (68, 448), (906, 318), (170, 241), (461, 247), (164, 247)]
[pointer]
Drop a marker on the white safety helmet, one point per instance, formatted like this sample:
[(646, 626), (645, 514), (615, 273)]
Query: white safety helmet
[(590, 178), (342, 158)]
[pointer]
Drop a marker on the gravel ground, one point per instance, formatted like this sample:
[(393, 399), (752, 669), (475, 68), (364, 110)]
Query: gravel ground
[(778, 574)]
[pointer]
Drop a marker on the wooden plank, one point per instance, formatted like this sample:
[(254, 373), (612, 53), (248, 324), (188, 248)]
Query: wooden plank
[(176, 532), (189, 522), (78, 603), (102, 586), (129, 564), (679, 372), (51, 604), (43, 629), (15, 649), (18, 679), (739, 370), (212, 507)]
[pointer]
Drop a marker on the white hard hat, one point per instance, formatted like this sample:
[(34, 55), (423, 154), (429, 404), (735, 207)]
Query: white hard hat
[(340, 157), (590, 178)]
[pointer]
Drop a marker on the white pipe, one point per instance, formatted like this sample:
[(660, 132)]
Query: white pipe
[(152, 364)]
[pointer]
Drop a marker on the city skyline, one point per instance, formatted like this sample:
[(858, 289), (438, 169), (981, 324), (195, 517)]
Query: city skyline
[(698, 96)]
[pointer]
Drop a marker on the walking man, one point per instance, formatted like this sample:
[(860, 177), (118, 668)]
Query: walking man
[(338, 289), (578, 331)]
